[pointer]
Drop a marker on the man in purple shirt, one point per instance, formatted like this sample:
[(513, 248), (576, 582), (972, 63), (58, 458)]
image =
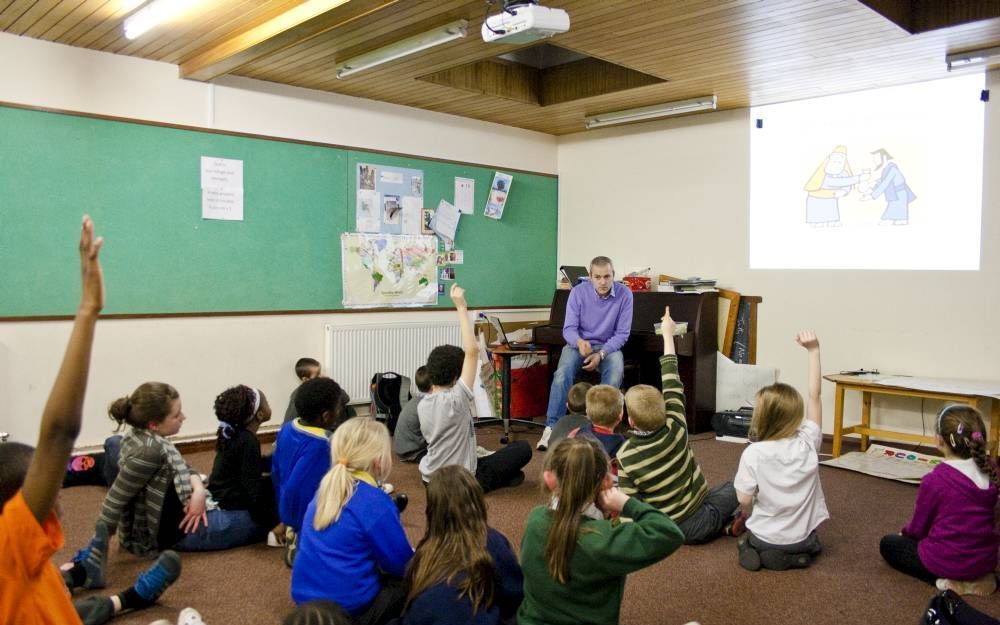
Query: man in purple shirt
[(598, 322)]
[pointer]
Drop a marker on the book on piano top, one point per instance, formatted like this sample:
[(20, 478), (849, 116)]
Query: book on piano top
[(692, 285)]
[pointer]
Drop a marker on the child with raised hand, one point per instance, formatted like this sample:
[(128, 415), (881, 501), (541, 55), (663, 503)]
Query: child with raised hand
[(952, 539), (463, 571), (31, 588), (574, 561), (656, 463), (778, 476), (446, 414), (352, 547), (240, 481)]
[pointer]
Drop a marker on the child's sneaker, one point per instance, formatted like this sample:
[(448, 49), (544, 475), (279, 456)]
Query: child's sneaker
[(93, 556), (749, 557), (777, 560), (401, 501), (737, 526), (982, 587), (157, 578), (388, 488), (189, 616), (543, 442)]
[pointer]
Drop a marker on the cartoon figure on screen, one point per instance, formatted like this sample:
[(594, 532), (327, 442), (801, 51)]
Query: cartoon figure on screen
[(831, 181), (893, 186)]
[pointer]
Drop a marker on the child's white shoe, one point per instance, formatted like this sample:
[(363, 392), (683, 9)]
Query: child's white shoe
[(543, 442), (190, 616)]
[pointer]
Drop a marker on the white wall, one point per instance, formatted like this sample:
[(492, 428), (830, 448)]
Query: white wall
[(201, 357), (674, 195)]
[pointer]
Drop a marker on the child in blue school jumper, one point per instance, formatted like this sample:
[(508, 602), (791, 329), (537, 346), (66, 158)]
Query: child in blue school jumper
[(352, 547), (302, 453), (463, 570)]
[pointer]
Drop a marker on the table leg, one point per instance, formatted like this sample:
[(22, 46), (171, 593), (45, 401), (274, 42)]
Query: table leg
[(505, 389), (866, 417), (838, 418)]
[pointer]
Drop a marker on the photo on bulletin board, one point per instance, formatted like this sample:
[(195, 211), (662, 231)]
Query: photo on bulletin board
[(498, 195), (389, 200)]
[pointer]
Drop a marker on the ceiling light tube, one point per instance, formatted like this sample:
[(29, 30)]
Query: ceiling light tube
[(153, 14), (984, 56), (706, 103), (405, 47)]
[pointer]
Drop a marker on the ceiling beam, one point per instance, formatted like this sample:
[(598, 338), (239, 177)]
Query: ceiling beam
[(285, 29)]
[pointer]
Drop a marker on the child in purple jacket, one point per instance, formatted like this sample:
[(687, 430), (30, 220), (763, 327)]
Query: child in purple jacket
[(952, 539)]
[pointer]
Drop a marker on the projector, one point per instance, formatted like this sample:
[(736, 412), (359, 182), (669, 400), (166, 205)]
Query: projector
[(524, 23)]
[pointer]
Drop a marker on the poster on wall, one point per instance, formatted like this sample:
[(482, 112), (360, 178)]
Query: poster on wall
[(498, 195), (388, 200)]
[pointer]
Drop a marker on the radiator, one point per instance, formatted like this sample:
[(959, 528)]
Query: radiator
[(355, 353)]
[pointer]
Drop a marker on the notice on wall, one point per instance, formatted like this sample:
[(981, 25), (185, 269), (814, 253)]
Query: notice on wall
[(221, 188), (498, 195), (465, 194)]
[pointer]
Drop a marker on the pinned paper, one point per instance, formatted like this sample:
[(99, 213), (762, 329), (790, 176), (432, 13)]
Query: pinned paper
[(445, 222), (221, 188), (498, 195), (465, 195)]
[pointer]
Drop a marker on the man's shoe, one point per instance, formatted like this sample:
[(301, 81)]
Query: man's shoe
[(543, 442)]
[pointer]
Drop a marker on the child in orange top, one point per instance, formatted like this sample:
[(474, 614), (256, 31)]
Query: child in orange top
[(32, 591)]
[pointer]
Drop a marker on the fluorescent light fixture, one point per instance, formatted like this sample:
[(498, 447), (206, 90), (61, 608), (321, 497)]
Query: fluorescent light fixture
[(153, 14), (984, 56), (706, 103), (404, 47)]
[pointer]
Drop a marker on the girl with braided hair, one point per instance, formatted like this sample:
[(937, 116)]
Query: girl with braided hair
[(241, 478), (952, 539)]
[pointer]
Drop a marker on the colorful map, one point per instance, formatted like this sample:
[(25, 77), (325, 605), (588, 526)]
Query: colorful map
[(389, 270)]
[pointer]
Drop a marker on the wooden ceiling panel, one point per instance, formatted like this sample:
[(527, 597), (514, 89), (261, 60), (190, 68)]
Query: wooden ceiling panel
[(746, 52)]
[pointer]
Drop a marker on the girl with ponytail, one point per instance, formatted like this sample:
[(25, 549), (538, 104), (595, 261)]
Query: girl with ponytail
[(574, 560), (241, 477), (952, 539), (352, 549)]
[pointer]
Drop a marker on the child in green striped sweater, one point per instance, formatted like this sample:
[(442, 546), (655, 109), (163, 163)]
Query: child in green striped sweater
[(656, 464)]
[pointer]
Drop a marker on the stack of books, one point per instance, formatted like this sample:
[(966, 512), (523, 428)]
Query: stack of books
[(690, 285)]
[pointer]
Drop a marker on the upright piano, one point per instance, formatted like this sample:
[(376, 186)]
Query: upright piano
[(696, 350)]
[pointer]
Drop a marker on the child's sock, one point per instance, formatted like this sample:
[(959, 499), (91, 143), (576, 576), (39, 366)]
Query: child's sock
[(737, 526), (152, 582)]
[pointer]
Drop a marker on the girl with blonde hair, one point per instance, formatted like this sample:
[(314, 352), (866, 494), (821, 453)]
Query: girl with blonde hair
[(352, 549), (463, 571), (777, 483), (575, 560)]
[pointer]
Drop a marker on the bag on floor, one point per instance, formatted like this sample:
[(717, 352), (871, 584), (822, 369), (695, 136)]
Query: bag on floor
[(947, 608), (390, 391)]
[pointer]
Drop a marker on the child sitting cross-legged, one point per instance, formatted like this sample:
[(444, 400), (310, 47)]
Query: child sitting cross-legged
[(408, 441), (605, 408), (574, 560), (446, 414), (302, 453), (656, 463), (952, 539), (575, 418), (778, 476), (463, 571), (31, 588), (352, 547)]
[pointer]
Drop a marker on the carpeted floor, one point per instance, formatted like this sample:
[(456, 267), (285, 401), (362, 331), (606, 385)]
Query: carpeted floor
[(848, 584)]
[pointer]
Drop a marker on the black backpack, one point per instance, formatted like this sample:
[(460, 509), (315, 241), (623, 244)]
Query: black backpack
[(390, 391)]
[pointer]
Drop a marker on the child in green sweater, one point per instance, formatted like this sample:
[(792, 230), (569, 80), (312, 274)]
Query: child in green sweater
[(574, 560)]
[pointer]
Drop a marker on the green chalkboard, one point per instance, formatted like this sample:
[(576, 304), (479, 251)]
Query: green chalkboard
[(141, 183)]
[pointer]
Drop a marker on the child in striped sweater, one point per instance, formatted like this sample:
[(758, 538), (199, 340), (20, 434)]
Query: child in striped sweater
[(660, 439)]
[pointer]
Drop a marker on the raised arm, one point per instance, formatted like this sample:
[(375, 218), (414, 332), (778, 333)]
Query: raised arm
[(469, 343), (814, 406), (63, 413)]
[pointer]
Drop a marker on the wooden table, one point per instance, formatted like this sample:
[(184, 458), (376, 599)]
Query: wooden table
[(955, 391)]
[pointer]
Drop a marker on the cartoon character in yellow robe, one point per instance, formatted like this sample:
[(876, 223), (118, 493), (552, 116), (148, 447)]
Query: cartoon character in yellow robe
[(831, 181)]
